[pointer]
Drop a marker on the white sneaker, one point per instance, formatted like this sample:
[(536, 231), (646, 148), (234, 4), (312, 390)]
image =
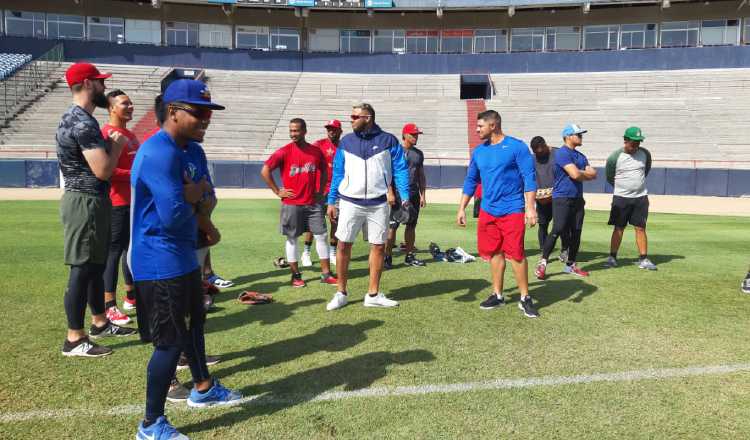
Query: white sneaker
[(332, 255), (339, 300), (306, 260), (379, 300)]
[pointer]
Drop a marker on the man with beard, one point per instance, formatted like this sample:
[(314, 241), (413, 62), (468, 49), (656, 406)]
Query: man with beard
[(167, 207), (87, 162)]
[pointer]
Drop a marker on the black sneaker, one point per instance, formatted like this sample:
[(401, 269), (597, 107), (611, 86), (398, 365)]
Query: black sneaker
[(492, 301), (412, 260), (84, 348), (527, 307), (388, 262), (746, 285), (183, 364), (177, 391), (110, 330)]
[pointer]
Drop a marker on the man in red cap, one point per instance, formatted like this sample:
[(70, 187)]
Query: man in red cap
[(417, 185), (328, 146), (87, 162)]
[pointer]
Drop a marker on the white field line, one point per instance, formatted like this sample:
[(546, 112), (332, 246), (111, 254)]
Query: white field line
[(498, 384)]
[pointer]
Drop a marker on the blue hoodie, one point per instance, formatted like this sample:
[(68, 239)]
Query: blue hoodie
[(364, 166), (163, 225)]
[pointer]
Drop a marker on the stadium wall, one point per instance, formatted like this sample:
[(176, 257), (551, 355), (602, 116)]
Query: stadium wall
[(35, 173), (595, 61)]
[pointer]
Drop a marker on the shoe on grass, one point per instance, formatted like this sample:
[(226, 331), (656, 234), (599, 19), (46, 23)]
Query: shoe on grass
[(216, 395), (84, 348), (161, 429), (110, 330), (492, 302), (379, 300)]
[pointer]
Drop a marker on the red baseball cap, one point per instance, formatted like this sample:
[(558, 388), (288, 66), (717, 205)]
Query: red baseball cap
[(81, 71), (411, 128), (335, 123)]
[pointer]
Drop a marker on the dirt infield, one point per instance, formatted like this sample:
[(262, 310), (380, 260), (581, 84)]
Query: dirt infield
[(667, 204)]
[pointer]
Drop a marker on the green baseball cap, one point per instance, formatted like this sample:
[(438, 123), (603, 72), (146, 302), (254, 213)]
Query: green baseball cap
[(634, 134)]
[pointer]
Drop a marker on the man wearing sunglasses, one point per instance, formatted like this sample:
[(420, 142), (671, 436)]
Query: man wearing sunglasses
[(167, 208), (571, 170), (366, 163)]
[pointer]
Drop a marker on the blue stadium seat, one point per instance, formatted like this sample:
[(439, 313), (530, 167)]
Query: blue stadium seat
[(10, 63)]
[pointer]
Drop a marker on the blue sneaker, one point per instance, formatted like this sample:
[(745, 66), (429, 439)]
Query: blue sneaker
[(216, 395), (161, 429)]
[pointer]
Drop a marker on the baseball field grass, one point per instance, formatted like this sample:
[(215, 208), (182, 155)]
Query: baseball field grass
[(625, 353)]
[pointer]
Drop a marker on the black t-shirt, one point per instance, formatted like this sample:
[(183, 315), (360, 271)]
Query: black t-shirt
[(415, 161), (79, 131), (545, 170)]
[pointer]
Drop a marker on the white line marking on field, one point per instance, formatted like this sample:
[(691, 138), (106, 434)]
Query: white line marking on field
[(498, 384)]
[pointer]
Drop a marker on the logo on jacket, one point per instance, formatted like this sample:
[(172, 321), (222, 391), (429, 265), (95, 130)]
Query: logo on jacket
[(306, 168), (192, 170), (375, 147)]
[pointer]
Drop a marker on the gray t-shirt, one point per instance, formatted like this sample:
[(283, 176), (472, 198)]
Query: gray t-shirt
[(545, 170), (630, 175), (79, 131)]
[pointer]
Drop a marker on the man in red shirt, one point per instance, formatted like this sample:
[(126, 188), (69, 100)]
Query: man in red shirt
[(120, 113), (303, 176), (328, 146)]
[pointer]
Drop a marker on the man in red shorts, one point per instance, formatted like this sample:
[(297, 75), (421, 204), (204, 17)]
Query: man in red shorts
[(505, 167)]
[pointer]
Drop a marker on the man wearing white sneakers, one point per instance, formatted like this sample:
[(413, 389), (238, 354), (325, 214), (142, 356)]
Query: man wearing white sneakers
[(366, 163)]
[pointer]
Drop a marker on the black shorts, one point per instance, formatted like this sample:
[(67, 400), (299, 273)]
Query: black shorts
[(396, 214), (295, 220), (633, 210), (172, 307), (544, 213)]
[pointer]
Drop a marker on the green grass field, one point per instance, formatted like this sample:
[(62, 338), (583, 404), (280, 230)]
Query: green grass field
[(689, 313)]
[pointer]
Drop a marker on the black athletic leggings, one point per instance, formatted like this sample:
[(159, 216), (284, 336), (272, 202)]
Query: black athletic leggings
[(543, 233), (568, 216), (117, 246), (85, 284)]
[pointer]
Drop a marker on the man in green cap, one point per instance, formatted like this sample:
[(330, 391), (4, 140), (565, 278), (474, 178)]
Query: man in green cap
[(626, 171)]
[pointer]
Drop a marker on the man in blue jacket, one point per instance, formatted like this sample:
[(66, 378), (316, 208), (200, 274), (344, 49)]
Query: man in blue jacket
[(167, 206), (366, 162), (506, 169)]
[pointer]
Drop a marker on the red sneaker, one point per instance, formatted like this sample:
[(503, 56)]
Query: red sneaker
[(574, 270), (128, 304), (540, 270), (116, 317), (328, 278), (297, 280)]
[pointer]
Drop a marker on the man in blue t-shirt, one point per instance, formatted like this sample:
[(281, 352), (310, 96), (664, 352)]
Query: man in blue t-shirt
[(506, 169), (571, 170), (166, 206)]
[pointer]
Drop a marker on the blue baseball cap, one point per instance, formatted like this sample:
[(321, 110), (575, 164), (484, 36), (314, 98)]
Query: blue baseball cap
[(572, 129), (190, 91)]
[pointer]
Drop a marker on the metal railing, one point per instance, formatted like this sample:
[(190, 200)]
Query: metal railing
[(28, 78)]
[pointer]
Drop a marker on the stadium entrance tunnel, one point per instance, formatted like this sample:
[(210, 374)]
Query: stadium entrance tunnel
[(476, 86)]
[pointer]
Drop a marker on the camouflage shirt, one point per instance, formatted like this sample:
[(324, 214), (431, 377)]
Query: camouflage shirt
[(79, 131)]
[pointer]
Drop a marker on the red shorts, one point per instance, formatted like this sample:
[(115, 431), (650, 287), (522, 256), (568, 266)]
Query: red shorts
[(501, 235)]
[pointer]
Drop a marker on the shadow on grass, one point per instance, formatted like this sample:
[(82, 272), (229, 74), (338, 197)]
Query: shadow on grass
[(266, 314), (355, 373), (441, 287), (332, 338)]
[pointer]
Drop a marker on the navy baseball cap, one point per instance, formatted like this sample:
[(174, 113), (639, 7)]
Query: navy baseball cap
[(190, 91)]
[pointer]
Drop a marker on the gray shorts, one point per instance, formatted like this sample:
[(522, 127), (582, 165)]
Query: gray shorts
[(296, 219)]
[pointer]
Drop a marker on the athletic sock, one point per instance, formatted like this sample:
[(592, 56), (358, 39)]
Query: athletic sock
[(642, 257), (613, 255), (333, 244), (109, 304), (308, 245), (147, 423), (373, 295), (499, 295)]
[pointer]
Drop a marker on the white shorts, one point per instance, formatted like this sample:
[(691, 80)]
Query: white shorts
[(352, 217)]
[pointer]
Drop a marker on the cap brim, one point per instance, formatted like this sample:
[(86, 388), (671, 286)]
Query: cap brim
[(102, 76), (205, 104), (332, 126), (636, 138), (581, 132)]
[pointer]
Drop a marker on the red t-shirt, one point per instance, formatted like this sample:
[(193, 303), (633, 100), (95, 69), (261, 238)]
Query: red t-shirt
[(299, 171), (329, 151), (119, 192), (151, 133)]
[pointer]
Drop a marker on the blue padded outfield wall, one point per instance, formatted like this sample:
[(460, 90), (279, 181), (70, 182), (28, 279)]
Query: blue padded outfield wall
[(32, 173), (592, 61)]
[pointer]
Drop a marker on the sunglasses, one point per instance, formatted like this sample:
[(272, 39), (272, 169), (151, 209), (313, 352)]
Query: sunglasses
[(198, 113), (356, 117)]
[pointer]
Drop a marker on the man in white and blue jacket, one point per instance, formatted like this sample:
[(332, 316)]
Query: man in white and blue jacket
[(366, 162)]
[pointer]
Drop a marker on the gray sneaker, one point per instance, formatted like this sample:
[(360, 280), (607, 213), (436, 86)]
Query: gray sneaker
[(611, 262), (177, 391), (646, 264), (746, 285), (563, 257)]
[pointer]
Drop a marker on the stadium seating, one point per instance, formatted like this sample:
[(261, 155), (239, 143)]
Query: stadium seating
[(688, 116), (11, 62)]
